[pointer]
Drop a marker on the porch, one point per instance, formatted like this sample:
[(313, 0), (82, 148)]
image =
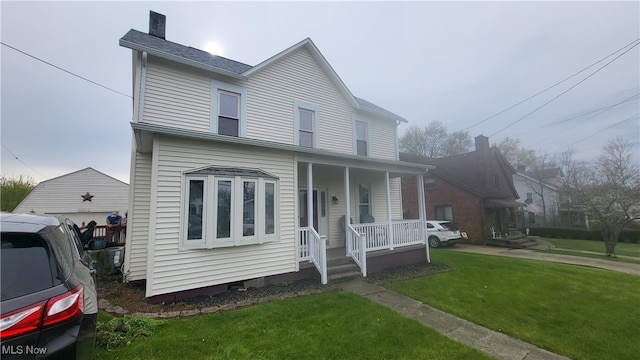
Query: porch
[(364, 242)]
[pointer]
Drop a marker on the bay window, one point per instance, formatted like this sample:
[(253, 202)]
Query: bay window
[(228, 207)]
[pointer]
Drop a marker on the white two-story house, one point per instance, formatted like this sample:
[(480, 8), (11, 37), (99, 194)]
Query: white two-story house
[(243, 172)]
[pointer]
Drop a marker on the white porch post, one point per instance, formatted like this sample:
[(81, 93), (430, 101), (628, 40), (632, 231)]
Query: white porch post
[(423, 213), (386, 178), (347, 212), (310, 194)]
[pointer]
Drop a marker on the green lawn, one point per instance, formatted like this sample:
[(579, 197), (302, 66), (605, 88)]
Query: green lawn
[(624, 249), (337, 325), (582, 313)]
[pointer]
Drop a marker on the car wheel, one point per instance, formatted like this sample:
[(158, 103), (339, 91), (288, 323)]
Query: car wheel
[(434, 242)]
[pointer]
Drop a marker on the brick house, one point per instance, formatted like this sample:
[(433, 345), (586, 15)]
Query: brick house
[(474, 189)]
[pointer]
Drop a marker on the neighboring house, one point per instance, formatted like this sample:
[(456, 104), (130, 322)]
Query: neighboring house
[(539, 190), (474, 190), (81, 196), (225, 154)]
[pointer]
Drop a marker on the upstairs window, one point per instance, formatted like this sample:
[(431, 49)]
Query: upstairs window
[(307, 118), (228, 113), (228, 109), (429, 184), (362, 138), (306, 124)]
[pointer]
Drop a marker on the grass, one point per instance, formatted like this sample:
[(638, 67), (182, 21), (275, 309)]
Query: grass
[(623, 249), (581, 313), (336, 325)]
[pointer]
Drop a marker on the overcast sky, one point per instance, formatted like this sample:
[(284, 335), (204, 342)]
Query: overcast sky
[(456, 62)]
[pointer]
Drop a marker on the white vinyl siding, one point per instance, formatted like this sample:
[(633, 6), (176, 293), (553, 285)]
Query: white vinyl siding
[(270, 103), (62, 195), (136, 246), (177, 96), (176, 270), (381, 137)]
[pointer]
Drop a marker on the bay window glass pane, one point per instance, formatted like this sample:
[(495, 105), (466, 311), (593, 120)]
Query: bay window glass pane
[(306, 120), (196, 197), (224, 209), (249, 208), (306, 139), (269, 208), (229, 105)]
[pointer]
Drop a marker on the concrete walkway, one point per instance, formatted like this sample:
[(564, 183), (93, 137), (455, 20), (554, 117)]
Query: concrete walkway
[(493, 343), (624, 267)]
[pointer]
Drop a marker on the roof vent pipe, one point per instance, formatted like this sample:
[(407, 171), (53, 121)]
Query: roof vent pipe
[(157, 23)]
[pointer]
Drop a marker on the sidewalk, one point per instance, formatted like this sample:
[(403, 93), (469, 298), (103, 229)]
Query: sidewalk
[(628, 268), (493, 343)]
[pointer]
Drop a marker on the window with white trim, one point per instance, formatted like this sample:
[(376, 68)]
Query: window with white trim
[(362, 138), (228, 207), (444, 213), (228, 109), (306, 124), (364, 203), (228, 113)]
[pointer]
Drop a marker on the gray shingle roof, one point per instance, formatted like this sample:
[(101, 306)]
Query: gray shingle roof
[(141, 41), (377, 110)]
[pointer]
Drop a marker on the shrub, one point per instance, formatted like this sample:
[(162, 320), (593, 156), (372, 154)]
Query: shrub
[(121, 331), (629, 235)]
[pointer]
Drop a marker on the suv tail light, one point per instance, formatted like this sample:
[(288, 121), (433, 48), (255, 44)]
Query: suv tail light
[(58, 309), (21, 322), (444, 229)]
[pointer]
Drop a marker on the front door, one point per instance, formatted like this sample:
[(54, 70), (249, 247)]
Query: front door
[(320, 223)]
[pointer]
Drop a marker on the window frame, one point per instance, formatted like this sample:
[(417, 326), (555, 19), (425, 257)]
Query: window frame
[(359, 201), (444, 207), (366, 140), (315, 110), (429, 184), (210, 211), (218, 87)]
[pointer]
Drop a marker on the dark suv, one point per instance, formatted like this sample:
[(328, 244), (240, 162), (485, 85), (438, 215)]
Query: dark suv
[(49, 303)]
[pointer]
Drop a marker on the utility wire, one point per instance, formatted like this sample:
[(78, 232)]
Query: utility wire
[(67, 71), (23, 163), (566, 91), (599, 112), (552, 86), (606, 128)]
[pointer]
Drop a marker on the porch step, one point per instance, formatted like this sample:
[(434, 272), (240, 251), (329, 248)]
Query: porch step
[(520, 242), (342, 271)]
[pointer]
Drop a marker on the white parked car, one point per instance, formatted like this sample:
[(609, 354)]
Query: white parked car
[(440, 232)]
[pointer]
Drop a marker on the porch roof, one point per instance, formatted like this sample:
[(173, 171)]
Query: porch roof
[(143, 134)]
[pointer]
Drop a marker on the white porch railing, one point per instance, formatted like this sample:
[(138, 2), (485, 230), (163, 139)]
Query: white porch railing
[(357, 248), (362, 238), (405, 233), (314, 248)]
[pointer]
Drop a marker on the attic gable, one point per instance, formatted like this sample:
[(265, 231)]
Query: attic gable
[(308, 45)]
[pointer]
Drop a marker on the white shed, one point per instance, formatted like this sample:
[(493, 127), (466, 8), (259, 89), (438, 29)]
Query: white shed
[(82, 196)]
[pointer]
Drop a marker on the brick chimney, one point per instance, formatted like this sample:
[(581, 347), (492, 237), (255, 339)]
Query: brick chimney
[(157, 23), (482, 150)]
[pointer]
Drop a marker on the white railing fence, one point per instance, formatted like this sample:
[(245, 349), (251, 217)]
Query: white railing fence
[(303, 236), (313, 247), (357, 248), (362, 238)]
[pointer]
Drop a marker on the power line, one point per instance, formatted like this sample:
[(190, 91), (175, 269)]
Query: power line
[(601, 130), (552, 86), (23, 163), (564, 92), (598, 112), (67, 71)]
